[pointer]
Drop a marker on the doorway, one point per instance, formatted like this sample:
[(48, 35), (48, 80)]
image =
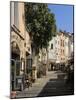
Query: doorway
[(15, 65)]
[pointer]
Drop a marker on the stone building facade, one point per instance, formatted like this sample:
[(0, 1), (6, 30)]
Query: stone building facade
[(20, 43), (52, 53), (17, 32), (60, 49)]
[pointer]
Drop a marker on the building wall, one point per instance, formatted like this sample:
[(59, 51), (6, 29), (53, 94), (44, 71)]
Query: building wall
[(51, 50), (21, 18), (17, 23), (43, 55), (28, 43), (62, 48), (57, 48), (66, 48), (62, 41), (19, 35)]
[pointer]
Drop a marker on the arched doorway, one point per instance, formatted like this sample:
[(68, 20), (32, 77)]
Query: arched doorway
[(15, 64)]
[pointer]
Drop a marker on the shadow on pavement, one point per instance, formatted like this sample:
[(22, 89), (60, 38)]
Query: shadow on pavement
[(57, 87)]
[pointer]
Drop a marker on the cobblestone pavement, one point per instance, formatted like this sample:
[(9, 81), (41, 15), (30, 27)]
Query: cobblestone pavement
[(52, 84)]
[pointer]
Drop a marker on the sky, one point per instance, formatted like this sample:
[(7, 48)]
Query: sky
[(63, 16)]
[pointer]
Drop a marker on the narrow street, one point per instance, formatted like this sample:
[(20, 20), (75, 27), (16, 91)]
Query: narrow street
[(41, 50), (53, 84)]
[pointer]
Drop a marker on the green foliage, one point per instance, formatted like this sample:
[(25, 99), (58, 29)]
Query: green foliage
[(40, 23)]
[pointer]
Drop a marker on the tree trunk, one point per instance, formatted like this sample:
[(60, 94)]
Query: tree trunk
[(47, 66)]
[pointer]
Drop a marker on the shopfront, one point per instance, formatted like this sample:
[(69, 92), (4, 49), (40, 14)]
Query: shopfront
[(16, 68)]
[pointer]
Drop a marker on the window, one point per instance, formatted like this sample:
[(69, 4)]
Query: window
[(24, 44), (61, 42), (51, 46), (39, 56), (63, 51), (28, 49), (56, 53), (61, 58)]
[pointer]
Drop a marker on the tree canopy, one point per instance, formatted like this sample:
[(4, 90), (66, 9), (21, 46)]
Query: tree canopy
[(40, 24)]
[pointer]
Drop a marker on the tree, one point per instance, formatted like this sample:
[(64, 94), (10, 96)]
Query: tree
[(40, 24)]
